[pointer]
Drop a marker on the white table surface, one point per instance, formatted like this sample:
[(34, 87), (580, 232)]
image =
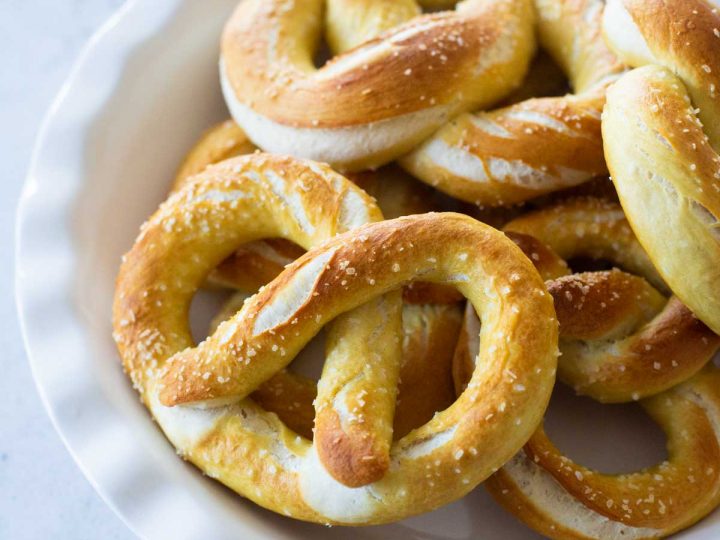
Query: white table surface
[(43, 494)]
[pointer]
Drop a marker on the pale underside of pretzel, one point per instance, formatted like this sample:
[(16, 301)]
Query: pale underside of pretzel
[(378, 100), (620, 338), (537, 146), (425, 384), (248, 448), (566, 501)]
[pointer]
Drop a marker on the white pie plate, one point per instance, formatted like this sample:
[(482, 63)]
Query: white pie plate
[(144, 88)]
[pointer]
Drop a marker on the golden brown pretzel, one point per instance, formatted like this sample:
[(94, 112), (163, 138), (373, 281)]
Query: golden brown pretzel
[(537, 146), (378, 100), (666, 156), (566, 501), (425, 383), (620, 338), (544, 488), (667, 165), (251, 450)]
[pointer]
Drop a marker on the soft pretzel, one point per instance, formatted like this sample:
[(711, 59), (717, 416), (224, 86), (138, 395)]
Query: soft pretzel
[(566, 501), (537, 146), (425, 383), (378, 100), (249, 449), (667, 164), (620, 338), (667, 154)]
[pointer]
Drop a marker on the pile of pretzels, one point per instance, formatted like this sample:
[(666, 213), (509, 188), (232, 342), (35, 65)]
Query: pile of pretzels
[(413, 177)]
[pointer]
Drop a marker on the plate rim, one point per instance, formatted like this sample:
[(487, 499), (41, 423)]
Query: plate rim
[(83, 59)]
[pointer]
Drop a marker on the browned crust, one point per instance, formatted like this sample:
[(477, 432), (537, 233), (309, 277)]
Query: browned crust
[(539, 145), (593, 305), (543, 79), (442, 60), (666, 498), (291, 397), (247, 269), (353, 457), (421, 292), (170, 260), (625, 498), (425, 385)]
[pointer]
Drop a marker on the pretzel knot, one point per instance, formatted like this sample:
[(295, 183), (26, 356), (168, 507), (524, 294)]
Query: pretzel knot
[(378, 100), (620, 338), (662, 136), (198, 394), (539, 145)]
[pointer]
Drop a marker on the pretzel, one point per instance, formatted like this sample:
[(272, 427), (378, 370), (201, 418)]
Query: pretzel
[(425, 383), (566, 501), (377, 101), (668, 165), (620, 338), (229, 437), (677, 168), (518, 152)]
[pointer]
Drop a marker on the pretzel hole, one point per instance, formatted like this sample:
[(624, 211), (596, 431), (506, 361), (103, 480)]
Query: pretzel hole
[(323, 53), (205, 306), (613, 439), (588, 264)]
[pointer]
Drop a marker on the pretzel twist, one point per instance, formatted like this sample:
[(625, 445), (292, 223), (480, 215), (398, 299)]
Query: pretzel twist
[(620, 338), (566, 501), (537, 146), (248, 448), (425, 383), (378, 100)]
